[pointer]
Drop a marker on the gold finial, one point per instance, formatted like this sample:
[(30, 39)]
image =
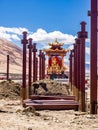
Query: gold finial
[(56, 40)]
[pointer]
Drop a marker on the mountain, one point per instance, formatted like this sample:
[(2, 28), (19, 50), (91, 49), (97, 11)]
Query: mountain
[(15, 57), (15, 54)]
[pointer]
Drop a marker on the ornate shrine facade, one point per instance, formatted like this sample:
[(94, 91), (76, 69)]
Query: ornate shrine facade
[(56, 59)]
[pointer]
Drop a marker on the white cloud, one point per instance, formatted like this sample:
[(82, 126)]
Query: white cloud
[(41, 36), (88, 40), (71, 47), (11, 33), (13, 30), (88, 62), (87, 50), (15, 37)]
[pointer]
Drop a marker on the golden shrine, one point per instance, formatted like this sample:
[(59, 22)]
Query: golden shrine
[(56, 58)]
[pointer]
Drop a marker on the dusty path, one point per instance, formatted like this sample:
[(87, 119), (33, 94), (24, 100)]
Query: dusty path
[(13, 117)]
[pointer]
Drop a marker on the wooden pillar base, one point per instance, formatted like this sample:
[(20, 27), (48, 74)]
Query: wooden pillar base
[(70, 86), (77, 94), (93, 108), (82, 102), (23, 93), (74, 90)]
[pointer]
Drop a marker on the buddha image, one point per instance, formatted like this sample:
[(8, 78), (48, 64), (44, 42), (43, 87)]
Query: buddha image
[(54, 61), (54, 65)]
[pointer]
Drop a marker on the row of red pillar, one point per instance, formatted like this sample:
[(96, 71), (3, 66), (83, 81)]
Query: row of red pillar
[(77, 67), (32, 48)]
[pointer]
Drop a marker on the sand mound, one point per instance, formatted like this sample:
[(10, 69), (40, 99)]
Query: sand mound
[(10, 90), (53, 87)]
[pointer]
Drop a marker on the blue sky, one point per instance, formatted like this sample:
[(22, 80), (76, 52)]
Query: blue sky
[(44, 20), (62, 15)]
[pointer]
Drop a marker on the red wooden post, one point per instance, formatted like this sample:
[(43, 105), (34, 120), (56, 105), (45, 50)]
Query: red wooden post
[(78, 66), (75, 70), (24, 42), (34, 62), (42, 60), (93, 58), (40, 64), (70, 70), (30, 46), (77, 80), (82, 35), (43, 66), (36, 68), (7, 67)]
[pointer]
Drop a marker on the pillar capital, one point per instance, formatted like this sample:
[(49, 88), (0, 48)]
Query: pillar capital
[(82, 33), (40, 53), (30, 46), (24, 40), (34, 47)]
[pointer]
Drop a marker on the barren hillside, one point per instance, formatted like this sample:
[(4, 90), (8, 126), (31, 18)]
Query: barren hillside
[(15, 54)]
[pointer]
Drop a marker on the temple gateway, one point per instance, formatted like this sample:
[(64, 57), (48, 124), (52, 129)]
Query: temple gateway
[(56, 67)]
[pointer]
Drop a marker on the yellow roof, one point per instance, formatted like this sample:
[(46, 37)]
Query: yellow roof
[(56, 49)]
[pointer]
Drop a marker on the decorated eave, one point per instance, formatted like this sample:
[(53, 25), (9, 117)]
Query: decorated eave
[(56, 49), (55, 52)]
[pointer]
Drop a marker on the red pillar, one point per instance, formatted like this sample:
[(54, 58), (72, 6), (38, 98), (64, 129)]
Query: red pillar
[(36, 68), (78, 65), (40, 64), (75, 70), (43, 65), (34, 62), (30, 46), (7, 67), (70, 70), (77, 80), (82, 35), (93, 58), (24, 42)]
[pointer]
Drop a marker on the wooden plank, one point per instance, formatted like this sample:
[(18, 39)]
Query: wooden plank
[(50, 101), (52, 104), (50, 97)]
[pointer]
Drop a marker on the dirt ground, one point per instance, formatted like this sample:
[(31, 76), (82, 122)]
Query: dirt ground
[(14, 117)]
